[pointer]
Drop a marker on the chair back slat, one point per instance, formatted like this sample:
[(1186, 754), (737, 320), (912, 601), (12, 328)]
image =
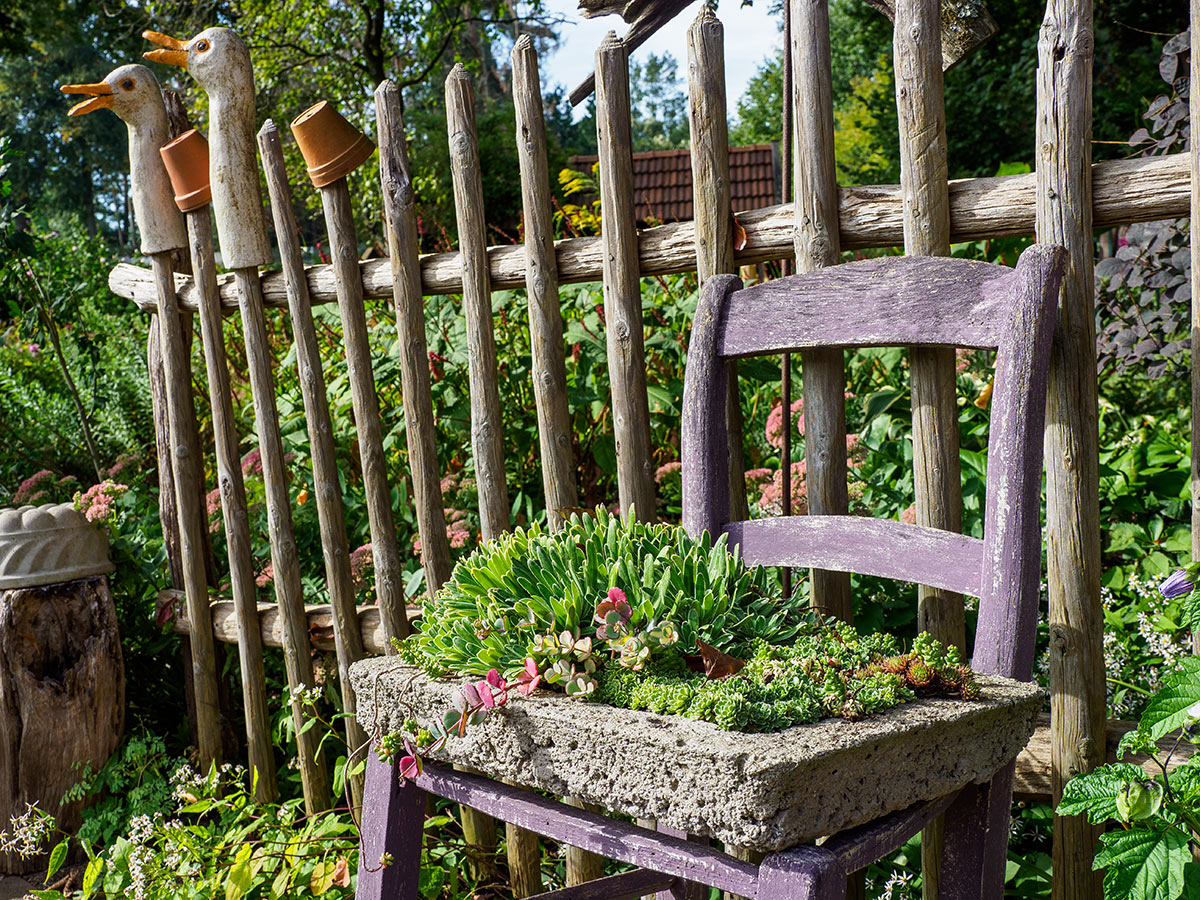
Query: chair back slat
[(880, 547), (891, 301)]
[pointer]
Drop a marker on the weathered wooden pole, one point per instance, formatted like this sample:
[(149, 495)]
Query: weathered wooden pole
[(487, 433), (333, 148), (132, 92), (220, 63), (1064, 217), (921, 111), (622, 281), (541, 285), (816, 246), (549, 366), (713, 212), (331, 518), (403, 242), (712, 204), (186, 159)]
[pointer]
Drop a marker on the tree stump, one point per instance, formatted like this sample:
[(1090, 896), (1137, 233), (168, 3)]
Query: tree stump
[(62, 679)]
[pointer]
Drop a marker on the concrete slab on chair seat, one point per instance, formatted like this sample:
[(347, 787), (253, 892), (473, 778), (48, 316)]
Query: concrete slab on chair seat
[(766, 791)]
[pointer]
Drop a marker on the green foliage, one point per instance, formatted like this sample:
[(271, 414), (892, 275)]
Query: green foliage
[(829, 670), (134, 782), (214, 841), (1151, 857), (658, 104), (527, 583)]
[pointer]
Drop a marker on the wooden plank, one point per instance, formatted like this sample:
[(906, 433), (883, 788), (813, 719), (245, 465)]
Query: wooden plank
[(622, 886), (1064, 217), (1132, 190), (622, 282), (937, 473), (883, 302), (711, 200), (389, 575), (188, 480), (285, 562), (882, 547), (541, 284), (817, 246), (487, 433), (400, 222), (594, 832), (260, 748)]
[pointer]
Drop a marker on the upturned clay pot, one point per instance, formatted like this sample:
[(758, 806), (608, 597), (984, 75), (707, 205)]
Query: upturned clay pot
[(331, 146), (186, 159)]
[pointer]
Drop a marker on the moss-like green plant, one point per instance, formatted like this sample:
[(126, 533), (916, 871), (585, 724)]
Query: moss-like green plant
[(529, 583)]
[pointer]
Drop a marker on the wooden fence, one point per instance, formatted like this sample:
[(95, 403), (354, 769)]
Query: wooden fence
[(1061, 203)]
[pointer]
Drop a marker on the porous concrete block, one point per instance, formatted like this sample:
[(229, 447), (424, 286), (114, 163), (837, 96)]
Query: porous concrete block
[(765, 791)]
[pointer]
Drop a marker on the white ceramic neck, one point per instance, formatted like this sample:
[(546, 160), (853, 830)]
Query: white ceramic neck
[(233, 171), (159, 220)]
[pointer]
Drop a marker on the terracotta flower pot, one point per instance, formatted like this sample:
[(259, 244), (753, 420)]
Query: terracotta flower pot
[(186, 159), (331, 146)]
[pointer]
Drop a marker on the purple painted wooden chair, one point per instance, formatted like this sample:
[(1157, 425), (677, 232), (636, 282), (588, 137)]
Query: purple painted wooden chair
[(893, 301)]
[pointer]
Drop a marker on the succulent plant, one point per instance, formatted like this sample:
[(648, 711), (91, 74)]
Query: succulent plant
[(528, 584)]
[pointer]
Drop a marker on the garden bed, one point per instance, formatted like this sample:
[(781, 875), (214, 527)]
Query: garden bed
[(766, 791)]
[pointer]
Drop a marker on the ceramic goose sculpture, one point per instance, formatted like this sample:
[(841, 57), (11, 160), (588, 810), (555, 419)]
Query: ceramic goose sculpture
[(219, 61), (132, 92)]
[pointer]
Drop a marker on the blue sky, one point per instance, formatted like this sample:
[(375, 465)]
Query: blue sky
[(751, 35)]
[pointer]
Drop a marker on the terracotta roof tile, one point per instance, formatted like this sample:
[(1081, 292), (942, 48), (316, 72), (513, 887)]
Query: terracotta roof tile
[(662, 181)]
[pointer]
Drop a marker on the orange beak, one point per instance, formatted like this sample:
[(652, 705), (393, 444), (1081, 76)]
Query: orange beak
[(175, 53), (99, 97)]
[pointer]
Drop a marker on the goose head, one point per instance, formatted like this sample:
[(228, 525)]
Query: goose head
[(219, 62), (132, 92)]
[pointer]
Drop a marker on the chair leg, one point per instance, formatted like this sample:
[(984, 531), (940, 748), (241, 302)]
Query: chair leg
[(975, 847), (393, 822), (802, 873)]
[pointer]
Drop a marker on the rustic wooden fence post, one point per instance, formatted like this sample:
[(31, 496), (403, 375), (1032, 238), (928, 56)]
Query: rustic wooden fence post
[(712, 205), (713, 211), (400, 221), (487, 434), (622, 281), (1064, 217), (188, 479), (541, 285), (261, 753), (817, 244), (920, 108)]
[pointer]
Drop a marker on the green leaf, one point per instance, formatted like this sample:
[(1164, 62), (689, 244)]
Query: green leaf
[(57, 856), (1168, 710), (1094, 794), (94, 867), (241, 876), (1141, 864)]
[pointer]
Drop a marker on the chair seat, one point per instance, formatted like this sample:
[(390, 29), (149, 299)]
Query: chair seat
[(763, 791)]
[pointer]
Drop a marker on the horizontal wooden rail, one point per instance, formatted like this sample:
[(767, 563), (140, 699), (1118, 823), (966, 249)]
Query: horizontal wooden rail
[(1135, 190), (320, 622), (623, 886), (1033, 765)]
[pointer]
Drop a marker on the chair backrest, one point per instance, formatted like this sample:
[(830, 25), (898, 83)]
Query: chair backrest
[(894, 301)]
